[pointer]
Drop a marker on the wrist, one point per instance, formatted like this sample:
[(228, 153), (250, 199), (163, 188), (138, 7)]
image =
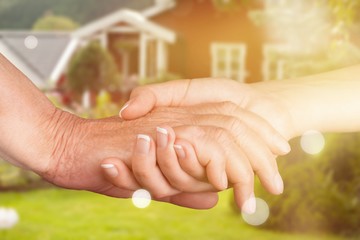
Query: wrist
[(59, 134), (79, 145), (270, 101)]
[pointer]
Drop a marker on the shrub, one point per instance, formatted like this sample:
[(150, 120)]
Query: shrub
[(322, 192)]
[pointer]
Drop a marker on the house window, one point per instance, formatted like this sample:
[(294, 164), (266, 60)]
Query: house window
[(228, 60), (274, 63)]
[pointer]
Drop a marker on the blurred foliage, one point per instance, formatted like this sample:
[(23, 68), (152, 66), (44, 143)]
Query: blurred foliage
[(51, 22), (322, 192), (92, 68), (11, 176), (104, 107)]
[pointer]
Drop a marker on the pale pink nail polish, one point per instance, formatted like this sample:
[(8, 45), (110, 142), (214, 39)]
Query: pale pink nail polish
[(126, 105), (161, 137), (142, 144), (110, 169), (179, 151)]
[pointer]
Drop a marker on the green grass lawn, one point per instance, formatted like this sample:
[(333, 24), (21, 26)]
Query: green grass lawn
[(61, 214)]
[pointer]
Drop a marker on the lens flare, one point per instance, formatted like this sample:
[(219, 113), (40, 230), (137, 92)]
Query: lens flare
[(141, 198), (260, 216), (312, 142), (31, 42)]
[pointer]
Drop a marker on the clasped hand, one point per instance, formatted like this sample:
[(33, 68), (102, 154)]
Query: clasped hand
[(211, 147)]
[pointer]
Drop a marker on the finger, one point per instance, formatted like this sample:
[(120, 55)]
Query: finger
[(146, 171), (262, 160), (211, 155), (188, 160), (170, 167), (118, 174), (238, 168), (142, 101), (193, 200), (116, 192), (189, 200), (241, 178), (180, 93), (277, 143), (260, 126)]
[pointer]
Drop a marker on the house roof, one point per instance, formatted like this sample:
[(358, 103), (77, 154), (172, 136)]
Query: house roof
[(35, 53), (42, 56), (133, 18)]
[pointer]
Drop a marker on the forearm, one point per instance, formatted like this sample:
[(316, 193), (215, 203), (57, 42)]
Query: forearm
[(326, 102), (22, 109)]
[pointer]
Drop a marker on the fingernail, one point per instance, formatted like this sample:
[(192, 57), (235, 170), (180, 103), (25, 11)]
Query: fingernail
[(126, 105), (142, 144), (224, 180), (279, 184), (249, 207), (110, 169), (179, 151), (282, 144), (161, 137)]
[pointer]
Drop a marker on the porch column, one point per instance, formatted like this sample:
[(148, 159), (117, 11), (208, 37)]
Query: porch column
[(142, 55), (103, 39), (161, 57)]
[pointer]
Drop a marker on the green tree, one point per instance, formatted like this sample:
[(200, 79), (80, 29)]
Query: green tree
[(92, 68), (51, 22)]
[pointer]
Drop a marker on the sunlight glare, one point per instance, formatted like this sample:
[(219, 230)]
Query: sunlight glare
[(31, 42), (312, 142), (141, 198), (261, 214)]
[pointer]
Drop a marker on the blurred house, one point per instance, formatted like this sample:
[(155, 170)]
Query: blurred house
[(191, 38), (36, 54)]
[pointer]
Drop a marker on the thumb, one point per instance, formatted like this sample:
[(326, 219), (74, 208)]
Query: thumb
[(181, 93), (143, 99)]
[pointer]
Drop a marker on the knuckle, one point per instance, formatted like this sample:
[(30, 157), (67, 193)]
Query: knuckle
[(239, 130), (196, 131), (229, 107), (141, 174), (165, 164), (180, 184), (194, 120), (188, 167), (236, 125), (247, 178), (222, 135)]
